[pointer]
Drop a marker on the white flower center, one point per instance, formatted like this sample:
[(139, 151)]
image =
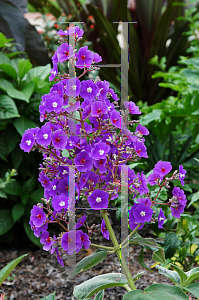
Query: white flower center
[(54, 104), (142, 214), (89, 90), (64, 172), (101, 152), (74, 87), (98, 199), (70, 143), (53, 72), (161, 219), (28, 142), (182, 175), (65, 86), (54, 187), (45, 135), (62, 203)]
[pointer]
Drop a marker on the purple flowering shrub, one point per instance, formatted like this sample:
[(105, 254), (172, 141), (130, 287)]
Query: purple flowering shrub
[(96, 153)]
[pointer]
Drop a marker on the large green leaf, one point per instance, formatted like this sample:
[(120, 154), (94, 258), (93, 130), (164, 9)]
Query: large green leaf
[(141, 260), (143, 241), (23, 123), (42, 72), (3, 153), (11, 139), (193, 289), (181, 273), (8, 108), (157, 292), (9, 267), (89, 261), (6, 86), (98, 283), (13, 188), (24, 65), (17, 211), (49, 297), (159, 256), (173, 275), (6, 221), (5, 65), (171, 244)]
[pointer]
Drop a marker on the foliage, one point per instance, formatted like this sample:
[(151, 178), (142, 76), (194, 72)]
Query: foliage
[(156, 26), (26, 36), (21, 88)]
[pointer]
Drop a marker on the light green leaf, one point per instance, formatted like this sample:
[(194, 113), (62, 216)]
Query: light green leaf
[(6, 86), (193, 289), (182, 274), (99, 296), (24, 65), (89, 261), (194, 198), (12, 188), (6, 221), (49, 297), (21, 124), (41, 72), (28, 89), (8, 108), (148, 118), (137, 276), (9, 70), (3, 195), (9, 267), (17, 211), (143, 241), (173, 275), (98, 283)]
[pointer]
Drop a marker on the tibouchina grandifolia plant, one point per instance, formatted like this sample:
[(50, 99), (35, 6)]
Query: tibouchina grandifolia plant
[(81, 118)]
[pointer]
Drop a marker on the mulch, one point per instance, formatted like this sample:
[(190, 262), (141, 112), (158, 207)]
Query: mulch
[(39, 274)]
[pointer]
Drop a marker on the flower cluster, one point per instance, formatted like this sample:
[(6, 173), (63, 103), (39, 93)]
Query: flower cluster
[(96, 152)]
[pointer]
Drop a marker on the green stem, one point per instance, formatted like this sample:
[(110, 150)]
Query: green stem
[(103, 247), (118, 250), (126, 239)]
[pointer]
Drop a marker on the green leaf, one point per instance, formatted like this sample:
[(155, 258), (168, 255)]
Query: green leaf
[(173, 275), (17, 211), (37, 195), (28, 89), (141, 260), (193, 289), (171, 244), (17, 156), (30, 233), (6, 220), (6, 86), (89, 261), (3, 153), (148, 118), (9, 70), (24, 65), (157, 292), (9, 267), (98, 283), (11, 139), (49, 297), (23, 123), (182, 274), (41, 72), (3, 195), (137, 276), (192, 275), (8, 108), (194, 198), (99, 296), (143, 241), (12, 188), (159, 256)]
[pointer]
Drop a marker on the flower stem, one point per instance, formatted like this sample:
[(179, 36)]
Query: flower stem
[(118, 250), (103, 247)]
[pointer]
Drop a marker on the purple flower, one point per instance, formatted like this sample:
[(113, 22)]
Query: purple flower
[(177, 210), (64, 52), (53, 72), (45, 181), (98, 109), (60, 202), (162, 168), (182, 173), (85, 58), (27, 141), (59, 139), (84, 239), (142, 213), (70, 242), (89, 90), (80, 222), (116, 119), (59, 259), (83, 162), (98, 199), (145, 201), (38, 217), (100, 150), (140, 149), (154, 178), (133, 109), (43, 136), (143, 189), (142, 129), (73, 31), (132, 223), (97, 58), (161, 218), (72, 87), (46, 240), (104, 231), (179, 195), (54, 102)]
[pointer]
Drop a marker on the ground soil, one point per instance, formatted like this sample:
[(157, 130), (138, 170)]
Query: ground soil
[(39, 274)]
